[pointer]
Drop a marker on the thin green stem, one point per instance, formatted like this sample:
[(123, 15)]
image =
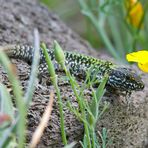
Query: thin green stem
[(80, 104), (54, 81), (116, 35), (99, 27), (60, 104), (104, 37), (87, 135), (93, 137)]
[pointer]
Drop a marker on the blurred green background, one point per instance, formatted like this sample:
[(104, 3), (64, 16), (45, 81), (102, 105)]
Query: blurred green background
[(69, 11), (119, 26)]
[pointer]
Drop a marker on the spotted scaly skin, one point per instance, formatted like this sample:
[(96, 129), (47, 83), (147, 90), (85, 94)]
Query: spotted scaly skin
[(120, 78)]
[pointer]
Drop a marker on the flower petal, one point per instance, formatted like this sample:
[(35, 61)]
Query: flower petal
[(143, 67), (135, 12), (140, 57)]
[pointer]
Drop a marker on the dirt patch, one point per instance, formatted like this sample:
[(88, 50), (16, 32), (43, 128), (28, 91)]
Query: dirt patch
[(127, 127)]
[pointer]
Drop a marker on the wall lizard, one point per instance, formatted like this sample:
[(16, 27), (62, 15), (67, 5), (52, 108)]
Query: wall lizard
[(120, 78)]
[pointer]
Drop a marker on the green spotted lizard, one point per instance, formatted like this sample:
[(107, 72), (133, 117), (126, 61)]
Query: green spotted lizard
[(120, 78)]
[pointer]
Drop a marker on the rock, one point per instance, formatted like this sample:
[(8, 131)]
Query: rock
[(17, 22)]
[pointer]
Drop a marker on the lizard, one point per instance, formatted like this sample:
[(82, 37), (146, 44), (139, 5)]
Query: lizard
[(120, 78)]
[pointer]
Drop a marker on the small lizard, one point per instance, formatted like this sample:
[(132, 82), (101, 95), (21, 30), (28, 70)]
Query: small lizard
[(120, 78)]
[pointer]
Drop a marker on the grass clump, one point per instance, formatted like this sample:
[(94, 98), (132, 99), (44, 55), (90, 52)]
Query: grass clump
[(13, 125), (87, 112), (14, 133)]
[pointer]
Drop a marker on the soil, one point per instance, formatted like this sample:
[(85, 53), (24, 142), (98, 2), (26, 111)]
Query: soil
[(127, 125)]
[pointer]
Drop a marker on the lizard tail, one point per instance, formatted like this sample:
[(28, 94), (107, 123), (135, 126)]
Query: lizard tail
[(23, 52), (8, 49)]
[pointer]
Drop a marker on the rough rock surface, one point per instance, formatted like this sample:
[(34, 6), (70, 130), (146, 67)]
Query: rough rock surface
[(127, 126)]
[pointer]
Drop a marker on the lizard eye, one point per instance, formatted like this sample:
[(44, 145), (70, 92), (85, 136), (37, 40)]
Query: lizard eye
[(132, 78)]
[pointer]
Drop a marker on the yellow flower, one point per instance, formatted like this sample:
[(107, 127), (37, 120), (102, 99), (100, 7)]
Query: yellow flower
[(141, 57), (135, 12)]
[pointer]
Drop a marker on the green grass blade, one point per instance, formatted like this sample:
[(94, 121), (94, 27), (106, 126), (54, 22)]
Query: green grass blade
[(6, 138), (71, 145), (34, 69), (6, 105), (97, 97), (18, 96)]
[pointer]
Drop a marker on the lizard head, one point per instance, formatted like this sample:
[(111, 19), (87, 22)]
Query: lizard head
[(125, 79)]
